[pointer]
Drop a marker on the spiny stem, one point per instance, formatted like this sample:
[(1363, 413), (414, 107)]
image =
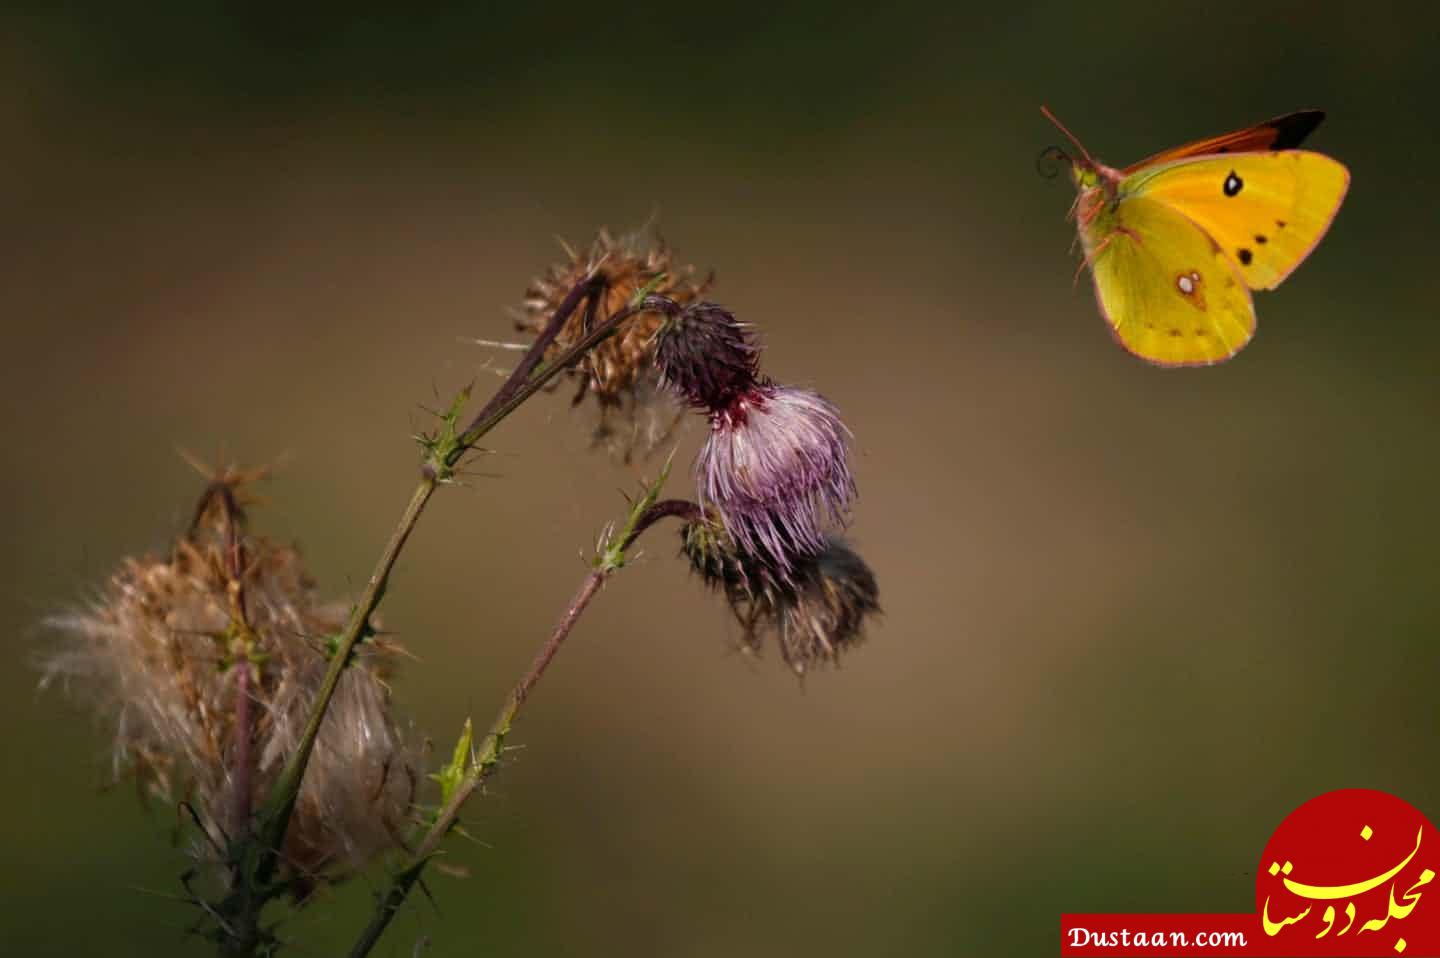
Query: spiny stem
[(494, 412), (664, 509), (647, 512), (240, 771), (261, 857), (590, 290), (244, 936), (275, 817), (485, 761), (232, 518)]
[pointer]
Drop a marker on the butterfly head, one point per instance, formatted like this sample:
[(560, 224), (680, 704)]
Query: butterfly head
[(1085, 171)]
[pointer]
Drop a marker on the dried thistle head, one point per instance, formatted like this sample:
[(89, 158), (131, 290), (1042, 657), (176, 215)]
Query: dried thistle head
[(204, 663), (815, 611), (635, 414)]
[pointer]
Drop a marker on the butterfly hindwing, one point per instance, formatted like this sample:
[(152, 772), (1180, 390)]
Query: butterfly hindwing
[(1169, 293), (1266, 211)]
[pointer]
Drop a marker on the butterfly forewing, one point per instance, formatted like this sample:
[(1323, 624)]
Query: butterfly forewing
[(1281, 133), (1266, 211)]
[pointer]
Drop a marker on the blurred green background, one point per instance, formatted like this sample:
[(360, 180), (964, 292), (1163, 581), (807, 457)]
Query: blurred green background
[(1134, 616)]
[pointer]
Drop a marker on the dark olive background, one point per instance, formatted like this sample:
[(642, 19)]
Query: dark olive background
[(1134, 616)]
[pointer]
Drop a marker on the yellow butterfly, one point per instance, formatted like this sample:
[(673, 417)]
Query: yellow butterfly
[(1177, 242)]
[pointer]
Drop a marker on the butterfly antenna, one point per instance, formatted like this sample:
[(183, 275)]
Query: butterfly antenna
[(1049, 162), (1084, 153)]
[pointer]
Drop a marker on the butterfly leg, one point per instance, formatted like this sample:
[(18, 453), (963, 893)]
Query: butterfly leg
[(1074, 208), (1094, 254)]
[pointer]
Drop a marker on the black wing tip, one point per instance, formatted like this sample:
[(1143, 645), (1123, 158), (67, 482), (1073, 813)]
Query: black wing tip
[(1292, 128)]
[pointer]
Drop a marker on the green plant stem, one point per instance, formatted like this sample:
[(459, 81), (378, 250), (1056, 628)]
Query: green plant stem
[(589, 291), (487, 758), (275, 817), (682, 509), (282, 803), (259, 858), (495, 412)]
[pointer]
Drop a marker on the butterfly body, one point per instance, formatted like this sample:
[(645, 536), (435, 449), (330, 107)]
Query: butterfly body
[(1177, 242)]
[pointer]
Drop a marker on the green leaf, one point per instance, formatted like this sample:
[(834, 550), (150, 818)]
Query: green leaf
[(610, 556), (445, 445), (451, 775), (655, 283)]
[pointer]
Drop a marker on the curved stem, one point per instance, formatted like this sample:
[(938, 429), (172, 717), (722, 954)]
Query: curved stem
[(485, 761), (487, 758), (664, 509), (275, 816), (589, 291), (494, 412), (260, 858)]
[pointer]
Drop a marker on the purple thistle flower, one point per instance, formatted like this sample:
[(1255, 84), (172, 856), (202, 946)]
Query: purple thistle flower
[(776, 470)]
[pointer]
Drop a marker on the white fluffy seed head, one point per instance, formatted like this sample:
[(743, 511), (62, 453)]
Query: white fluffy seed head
[(154, 655)]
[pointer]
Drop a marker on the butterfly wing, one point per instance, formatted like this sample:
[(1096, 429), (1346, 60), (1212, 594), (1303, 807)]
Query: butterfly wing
[(1265, 210), (1282, 133), (1169, 293)]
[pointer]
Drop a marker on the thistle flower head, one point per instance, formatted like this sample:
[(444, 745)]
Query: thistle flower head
[(815, 613), (776, 470), (707, 357), (204, 663), (635, 414)]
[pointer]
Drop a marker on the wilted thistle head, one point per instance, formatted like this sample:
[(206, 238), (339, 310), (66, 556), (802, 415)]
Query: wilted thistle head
[(775, 467), (157, 655), (815, 614), (705, 355), (635, 415)]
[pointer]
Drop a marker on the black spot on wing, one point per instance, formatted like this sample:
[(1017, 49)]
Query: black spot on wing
[(1232, 185), (1246, 256), (1292, 129), (1261, 238)]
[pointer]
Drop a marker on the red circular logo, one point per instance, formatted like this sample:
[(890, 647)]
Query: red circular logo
[(1351, 872)]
